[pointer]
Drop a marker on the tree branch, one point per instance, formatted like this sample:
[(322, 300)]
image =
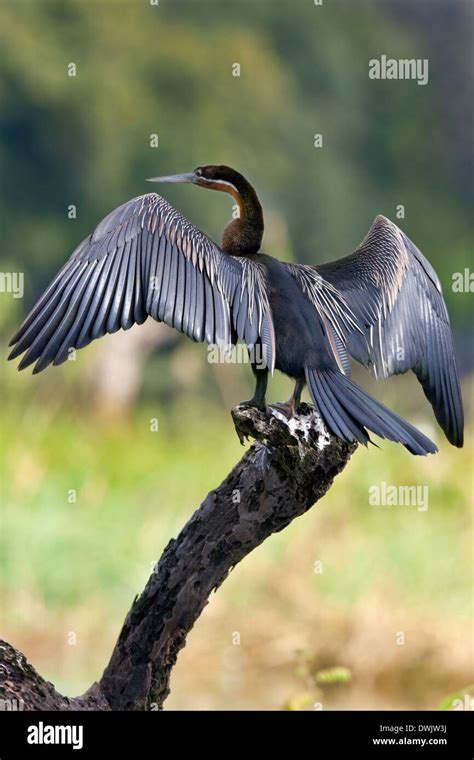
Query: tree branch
[(288, 468)]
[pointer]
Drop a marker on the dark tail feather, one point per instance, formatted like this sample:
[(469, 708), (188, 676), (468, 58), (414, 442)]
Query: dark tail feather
[(349, 412)]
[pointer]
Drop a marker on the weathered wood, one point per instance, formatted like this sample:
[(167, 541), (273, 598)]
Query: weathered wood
[(288, 468)]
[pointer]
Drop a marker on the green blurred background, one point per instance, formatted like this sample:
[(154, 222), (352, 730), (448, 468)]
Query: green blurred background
[(91, 495)]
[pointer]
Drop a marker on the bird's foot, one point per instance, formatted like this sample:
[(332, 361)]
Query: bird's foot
[(253, 403), (246, 416)]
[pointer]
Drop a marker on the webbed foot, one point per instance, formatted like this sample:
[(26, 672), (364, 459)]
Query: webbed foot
[(254, 403)]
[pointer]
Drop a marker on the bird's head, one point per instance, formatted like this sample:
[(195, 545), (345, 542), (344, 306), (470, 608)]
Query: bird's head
[(221, 178), (244, 234)]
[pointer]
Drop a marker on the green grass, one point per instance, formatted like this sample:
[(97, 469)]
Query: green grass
[(135, 488), (89, 506)]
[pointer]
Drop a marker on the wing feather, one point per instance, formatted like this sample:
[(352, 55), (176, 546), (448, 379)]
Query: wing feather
[(395, 297), (145, 259)]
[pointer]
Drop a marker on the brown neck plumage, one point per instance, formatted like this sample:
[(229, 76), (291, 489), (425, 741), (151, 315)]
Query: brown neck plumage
[(243, 236)]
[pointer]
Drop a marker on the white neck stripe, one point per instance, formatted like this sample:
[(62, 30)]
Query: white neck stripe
[(223, 182)]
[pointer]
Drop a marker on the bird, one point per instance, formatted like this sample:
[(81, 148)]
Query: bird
[(381, 305)]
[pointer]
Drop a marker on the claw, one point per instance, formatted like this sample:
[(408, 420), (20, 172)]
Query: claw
[(252, 404)]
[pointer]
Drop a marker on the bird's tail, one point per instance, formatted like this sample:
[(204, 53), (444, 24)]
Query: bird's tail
[(348, 412)]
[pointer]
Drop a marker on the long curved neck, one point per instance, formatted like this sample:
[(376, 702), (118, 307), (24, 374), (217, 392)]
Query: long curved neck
[(243, 236)]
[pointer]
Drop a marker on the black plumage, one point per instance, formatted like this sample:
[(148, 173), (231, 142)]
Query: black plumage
[(382, 306)]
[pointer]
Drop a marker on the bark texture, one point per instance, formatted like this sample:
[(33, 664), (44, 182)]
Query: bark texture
[(288, 468)]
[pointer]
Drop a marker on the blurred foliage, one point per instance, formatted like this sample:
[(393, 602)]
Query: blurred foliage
[(167, 69), (332, 675), (316, 682), (85, 140)]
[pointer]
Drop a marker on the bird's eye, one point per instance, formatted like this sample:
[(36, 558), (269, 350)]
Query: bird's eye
[(198, 171)]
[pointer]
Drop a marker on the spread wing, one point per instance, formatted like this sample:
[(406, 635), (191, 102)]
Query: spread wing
[(146, 259), (394, 296)]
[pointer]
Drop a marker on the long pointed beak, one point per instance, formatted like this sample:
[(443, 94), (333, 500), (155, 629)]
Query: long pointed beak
[(191, 177)]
